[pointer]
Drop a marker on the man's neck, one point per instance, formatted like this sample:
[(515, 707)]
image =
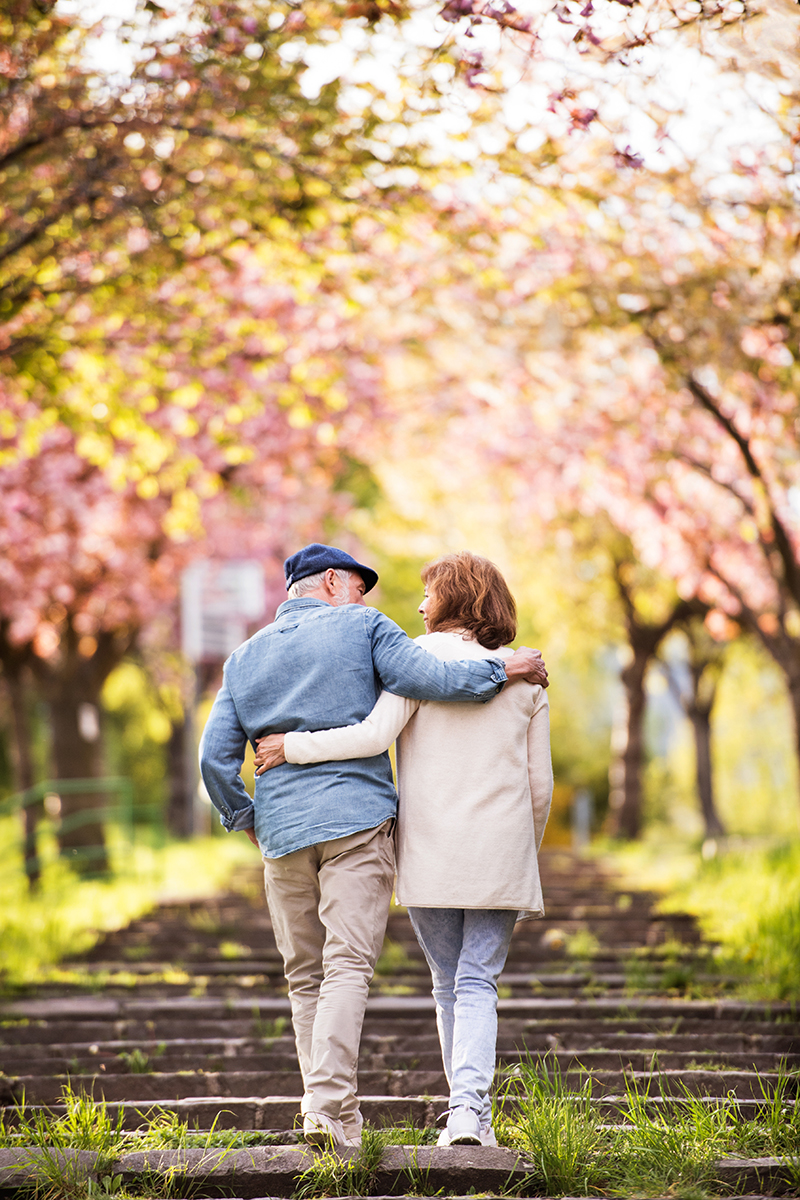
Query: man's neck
[(317, 594)]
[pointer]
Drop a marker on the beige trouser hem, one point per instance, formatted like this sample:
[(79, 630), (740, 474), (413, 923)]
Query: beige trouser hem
[(329, 905)]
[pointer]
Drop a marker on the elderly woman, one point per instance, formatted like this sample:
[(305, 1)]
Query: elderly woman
[(475, 784)]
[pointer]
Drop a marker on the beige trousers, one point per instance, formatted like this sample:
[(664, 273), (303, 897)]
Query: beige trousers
[(329, 905)]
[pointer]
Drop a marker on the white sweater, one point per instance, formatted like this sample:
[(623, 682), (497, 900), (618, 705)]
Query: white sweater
[(475, 783)]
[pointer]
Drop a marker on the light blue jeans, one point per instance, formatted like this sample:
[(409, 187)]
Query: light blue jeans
[(466, 949)]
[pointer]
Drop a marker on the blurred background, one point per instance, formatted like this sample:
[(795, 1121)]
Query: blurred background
[(408, 278)]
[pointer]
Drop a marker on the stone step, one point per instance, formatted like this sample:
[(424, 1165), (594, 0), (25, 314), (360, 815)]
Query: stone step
[(190, 1008), (224, 1056), (618, 932), (538, 961), (251, 1112), (620, 987), (153, 1087), (220, 985), (175, 937), (273, 1171), (421, 1053), (518, 973), (408, 1034), (281, 1113), (515, 1037), (157, 1085)]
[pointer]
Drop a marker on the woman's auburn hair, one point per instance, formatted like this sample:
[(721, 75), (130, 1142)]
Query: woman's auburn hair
[(468, 592)]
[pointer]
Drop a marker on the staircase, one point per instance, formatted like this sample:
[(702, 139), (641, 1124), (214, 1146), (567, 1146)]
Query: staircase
[(185, 1010)]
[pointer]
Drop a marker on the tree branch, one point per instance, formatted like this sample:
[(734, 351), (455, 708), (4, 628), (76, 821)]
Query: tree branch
[(702, 469), (88, 190), (791, 570), (56, 131)]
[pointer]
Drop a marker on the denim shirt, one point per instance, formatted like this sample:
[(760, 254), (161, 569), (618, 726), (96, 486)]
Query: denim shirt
[(317, 666)]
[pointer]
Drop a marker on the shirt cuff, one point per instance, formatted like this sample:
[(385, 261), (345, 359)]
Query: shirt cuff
[(291, 751), (498, 676), (243, 818)]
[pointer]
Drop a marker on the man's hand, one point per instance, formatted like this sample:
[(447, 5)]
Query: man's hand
[(528, 665), (270, 752), (251, 833)]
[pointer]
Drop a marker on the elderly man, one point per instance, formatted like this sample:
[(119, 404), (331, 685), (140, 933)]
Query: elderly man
[(325, 829)]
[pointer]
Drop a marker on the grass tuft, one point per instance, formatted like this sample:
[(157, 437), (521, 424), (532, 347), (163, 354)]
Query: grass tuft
[(555, 1127), (665, 1150), (268, 1029), (332, 1175)]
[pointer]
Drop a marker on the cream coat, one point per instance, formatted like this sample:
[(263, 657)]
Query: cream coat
[(475, 783)]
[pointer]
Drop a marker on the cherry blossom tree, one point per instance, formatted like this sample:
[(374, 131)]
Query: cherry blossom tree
[(242, 447), (539, 366), (181, 267), (716, 462), (110, 186), (107, 180)]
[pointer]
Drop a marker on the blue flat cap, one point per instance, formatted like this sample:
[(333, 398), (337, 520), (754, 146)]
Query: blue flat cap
[(317, 557)]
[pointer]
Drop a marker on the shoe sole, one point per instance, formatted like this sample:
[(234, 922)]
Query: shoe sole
[(466, 1139)]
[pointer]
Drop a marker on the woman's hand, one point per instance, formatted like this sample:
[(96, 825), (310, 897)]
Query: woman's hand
[(270, 752)]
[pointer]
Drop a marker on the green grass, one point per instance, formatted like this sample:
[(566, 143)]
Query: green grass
[(138, 1061), (671, 1150), (86, 1125), (561, 1130), (582, 944), (746, 899), (66, 915), (555, 1127), (333, 1175), (269, 1029), (668, 968)]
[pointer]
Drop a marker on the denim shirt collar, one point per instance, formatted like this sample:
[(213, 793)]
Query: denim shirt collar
[(296, 602)]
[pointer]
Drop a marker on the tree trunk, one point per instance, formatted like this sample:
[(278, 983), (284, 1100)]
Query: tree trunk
[(700, 717), (785, 650), (180, 804), (626, 795), (76, 747), (15, 661), (71, 683), (23, 766), (793, 681), (705, 665)]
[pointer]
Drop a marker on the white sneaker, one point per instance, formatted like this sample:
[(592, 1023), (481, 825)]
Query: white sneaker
[(463, 1128), (320, 1130), (352, 1137), (352, 1125), (488, 1136)]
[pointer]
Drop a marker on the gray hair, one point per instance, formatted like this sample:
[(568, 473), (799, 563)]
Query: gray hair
[(311, 582)]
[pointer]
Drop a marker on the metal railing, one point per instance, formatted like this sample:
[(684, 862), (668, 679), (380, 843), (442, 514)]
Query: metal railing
[(121, 814)]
